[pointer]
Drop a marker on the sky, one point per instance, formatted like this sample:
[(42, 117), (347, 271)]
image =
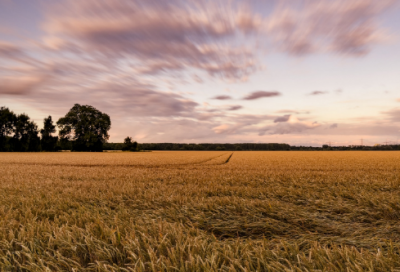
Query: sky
[(304, 72)]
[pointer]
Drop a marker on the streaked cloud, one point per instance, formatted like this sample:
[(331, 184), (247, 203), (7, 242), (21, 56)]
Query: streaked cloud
[(19, 85), (342, 26), (293, 111), (222, 97), (161, 35), (393, 115), (221, 129), (8, 50), (284, 118), (335, 125), (292, 125), (261, 94), (318, 92), (235, 107)]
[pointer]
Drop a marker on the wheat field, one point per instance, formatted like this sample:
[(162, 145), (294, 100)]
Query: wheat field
[(200, 211)]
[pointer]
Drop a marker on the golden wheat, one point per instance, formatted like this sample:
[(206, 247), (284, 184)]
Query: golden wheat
[(200, 211)]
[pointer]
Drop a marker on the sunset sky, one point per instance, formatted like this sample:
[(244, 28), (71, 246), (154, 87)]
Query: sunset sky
[(297, 72)]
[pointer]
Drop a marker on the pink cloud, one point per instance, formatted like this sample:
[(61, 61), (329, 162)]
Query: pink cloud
[(221, 129), (20, 85), (261, 94), (342, 26), (162, 35), (197, 79), (284, 118), (293, 111), (393, 114), (318, 92), (8, 50), (291, 126), (234, 108), (227, 129), (335, 125), (222, 97)]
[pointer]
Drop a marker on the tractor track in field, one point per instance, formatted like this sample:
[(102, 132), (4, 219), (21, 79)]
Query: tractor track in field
[(228, 158)]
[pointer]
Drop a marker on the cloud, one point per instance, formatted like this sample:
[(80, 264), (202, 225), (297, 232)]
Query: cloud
[(261, 94), (293, 111), (350, 129), (8, 50), (398, 99), (394, 115), (197, 79), (19, 85), (14, 53), (335, 125), (251, 119), (161, 35), (227, 129), (221, 129), (222, 97), (318, 92), (17, 54), (342, 26), (286, 111), (240, 124), (284, 118), (234, 108), (157, 67), (144, 102), (138, 101), (292, 126)]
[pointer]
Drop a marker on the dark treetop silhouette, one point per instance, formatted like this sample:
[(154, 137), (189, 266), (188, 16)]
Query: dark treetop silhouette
[(86, 126), (17, 132), (48, 142)]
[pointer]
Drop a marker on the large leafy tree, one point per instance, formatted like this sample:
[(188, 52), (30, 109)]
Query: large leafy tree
[(7, 120), (86, 126), (48, 141), (25, 136)]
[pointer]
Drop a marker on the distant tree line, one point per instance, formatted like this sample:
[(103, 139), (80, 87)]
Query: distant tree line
[(246, 147), (362, 147), (204, 146), (344, 148)]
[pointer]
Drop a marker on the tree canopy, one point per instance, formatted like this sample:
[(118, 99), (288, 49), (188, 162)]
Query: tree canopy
[(48, 142), (17, 132), (25, 134), (7, 120), (86, 126)]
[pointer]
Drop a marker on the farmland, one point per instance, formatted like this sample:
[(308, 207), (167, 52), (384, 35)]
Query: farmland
[(200, 211)]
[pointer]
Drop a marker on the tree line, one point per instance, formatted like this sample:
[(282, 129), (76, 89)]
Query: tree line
[(203, 146), (83, 128), (247, 147), (19, 133)]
